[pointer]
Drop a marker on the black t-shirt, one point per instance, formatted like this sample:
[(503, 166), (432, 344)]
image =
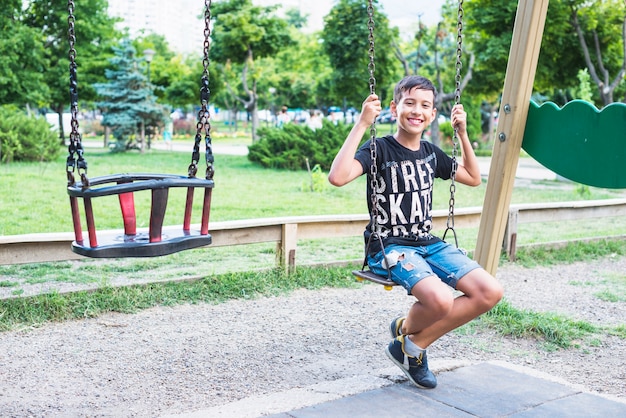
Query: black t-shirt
[(406, 180)]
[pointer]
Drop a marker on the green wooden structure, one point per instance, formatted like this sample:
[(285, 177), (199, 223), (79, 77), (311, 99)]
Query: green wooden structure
[(579, 142)]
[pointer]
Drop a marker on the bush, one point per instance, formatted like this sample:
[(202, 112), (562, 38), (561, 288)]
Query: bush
[(290, 146), (26, 138)]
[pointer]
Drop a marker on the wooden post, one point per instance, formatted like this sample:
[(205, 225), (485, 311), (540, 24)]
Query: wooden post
[(518, 85), (288, 245)]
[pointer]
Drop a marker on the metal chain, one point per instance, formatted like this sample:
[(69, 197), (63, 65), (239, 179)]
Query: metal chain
[(455, 138), (204, 118), (374, 183), (372, 85), (75, 159)]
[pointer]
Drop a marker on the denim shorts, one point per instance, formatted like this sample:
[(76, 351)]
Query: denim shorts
[(439, 259)]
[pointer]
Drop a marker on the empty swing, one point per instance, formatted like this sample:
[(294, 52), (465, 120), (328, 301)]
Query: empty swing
[(365, 273), (157, 241)]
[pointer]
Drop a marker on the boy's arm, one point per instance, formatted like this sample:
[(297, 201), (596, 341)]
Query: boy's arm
[(345, 167), (468, 170)]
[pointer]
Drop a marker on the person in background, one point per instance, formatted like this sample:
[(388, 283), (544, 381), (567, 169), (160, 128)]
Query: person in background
[(315, 121), (283, 117)]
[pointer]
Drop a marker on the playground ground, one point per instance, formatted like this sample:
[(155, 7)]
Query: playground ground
[(321, 353)]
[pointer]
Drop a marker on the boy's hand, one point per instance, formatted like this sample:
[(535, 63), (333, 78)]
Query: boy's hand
[(458, 118), (371, 109)]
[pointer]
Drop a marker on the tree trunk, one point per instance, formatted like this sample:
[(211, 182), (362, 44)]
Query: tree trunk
[(434, 133), (107, 132), (59, 111), (255, 121), (142, 137)]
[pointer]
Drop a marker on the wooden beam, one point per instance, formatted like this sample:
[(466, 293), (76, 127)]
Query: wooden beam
[(518, 85)]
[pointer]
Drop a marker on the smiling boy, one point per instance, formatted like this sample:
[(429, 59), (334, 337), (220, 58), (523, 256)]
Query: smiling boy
[(422, 263)]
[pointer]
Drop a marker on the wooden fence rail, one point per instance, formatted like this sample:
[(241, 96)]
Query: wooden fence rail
[(286, 232)]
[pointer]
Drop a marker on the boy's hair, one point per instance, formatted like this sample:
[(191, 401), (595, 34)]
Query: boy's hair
[(411, 82)]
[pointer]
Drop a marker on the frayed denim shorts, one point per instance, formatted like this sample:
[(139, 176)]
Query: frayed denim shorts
[(439, 259)]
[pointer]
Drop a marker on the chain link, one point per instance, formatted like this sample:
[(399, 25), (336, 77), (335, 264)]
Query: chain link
[(204, 117), (455, 138), (75, 158), (374, 185)]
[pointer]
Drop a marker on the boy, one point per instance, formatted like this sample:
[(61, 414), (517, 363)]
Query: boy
[(423, 264)]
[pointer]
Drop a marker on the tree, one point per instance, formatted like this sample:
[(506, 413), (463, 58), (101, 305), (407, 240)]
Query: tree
[(294, 75), (242, 33), (601, 32), (23, 60), (346, 41), (94, 34), (165, 64), (578, 34), (130, 105), (295, 18)]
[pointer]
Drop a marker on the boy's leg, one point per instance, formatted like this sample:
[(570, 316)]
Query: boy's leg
[(427, 321)]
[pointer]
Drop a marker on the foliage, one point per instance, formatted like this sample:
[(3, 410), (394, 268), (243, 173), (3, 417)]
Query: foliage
[(289, 147), (129, 98), (294, 76), (601, 31), (243, 33), (241, 27), (489, 27), (25, 138), (318, 180), (584, 89), (175, 77), (22, 61), (95, 33), (346, 42)]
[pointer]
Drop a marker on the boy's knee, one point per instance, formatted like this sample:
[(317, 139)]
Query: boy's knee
[(441, 305), (491, 295), (496, 294)]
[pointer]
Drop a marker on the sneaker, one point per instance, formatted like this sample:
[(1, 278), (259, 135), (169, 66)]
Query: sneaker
[(395, 328), (415, 368)]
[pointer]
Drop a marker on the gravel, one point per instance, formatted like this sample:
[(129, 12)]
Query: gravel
[(171, 360)]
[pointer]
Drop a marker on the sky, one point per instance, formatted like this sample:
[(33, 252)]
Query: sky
[(402, 13)]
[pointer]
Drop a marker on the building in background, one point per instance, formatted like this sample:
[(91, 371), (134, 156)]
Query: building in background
[(181, 22)]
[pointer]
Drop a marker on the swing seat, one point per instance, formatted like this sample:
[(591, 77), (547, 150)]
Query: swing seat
[(375, 278), (130, 242)]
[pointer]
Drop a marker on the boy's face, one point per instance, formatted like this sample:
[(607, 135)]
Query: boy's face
[(415, 111)]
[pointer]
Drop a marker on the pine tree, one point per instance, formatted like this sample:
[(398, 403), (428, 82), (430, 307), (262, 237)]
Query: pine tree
[(130, 104)]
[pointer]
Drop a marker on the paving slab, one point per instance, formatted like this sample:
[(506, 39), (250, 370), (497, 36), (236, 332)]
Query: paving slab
[(481, 390)]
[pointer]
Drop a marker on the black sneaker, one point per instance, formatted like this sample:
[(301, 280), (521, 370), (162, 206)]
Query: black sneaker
[(415, 368), (395, 328)]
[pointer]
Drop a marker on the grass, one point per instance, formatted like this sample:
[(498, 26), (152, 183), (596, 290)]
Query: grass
[(34, 200), (54, 307), (553, 328), (569, 253), (557, 331)]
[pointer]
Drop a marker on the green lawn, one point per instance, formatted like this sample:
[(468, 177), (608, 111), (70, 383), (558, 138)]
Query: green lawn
[(33, 196)]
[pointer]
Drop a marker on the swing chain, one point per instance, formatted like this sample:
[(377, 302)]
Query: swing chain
[(75, 159), (455, 139), (204, 118), (374, 184), (372, 86)]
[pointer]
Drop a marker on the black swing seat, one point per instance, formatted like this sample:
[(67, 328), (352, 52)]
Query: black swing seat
[(375, 278), (156, 241), (120, 245)]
